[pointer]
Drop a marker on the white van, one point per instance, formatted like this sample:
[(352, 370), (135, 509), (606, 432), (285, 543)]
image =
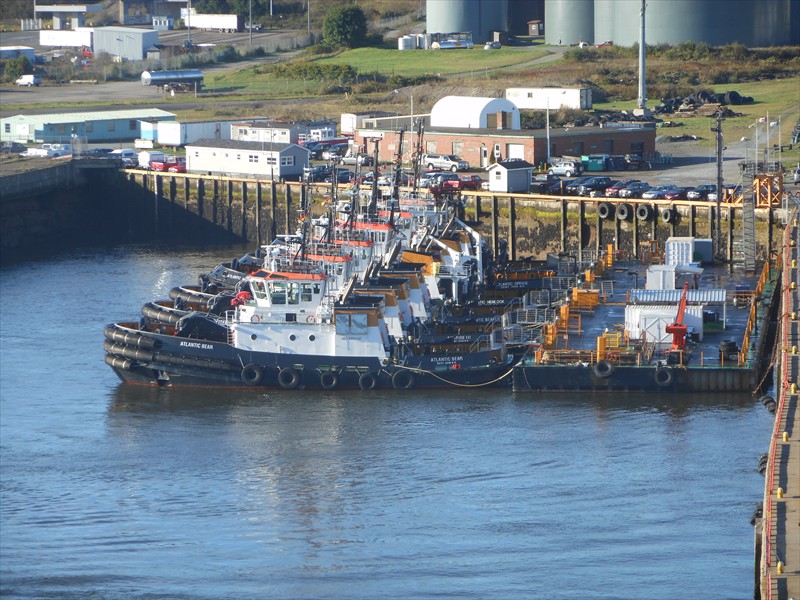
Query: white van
[(29, 80), (128, 156), (146, 157)]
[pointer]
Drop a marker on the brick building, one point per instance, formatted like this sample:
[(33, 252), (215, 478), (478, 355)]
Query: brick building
[(483, 131)]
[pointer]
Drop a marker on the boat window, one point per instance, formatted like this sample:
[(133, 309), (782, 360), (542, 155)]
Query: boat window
[(351, 324), (277, 292), (305, 293), (259, 290), (316, 288), (294, 293)]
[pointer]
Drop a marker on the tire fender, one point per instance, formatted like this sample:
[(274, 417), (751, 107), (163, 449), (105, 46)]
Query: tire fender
[(288, 378), (603, 369), (252, 374)]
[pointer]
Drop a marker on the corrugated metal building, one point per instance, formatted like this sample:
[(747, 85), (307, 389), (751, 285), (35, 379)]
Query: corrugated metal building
[(96, 126), (129, 43), (256, 160)]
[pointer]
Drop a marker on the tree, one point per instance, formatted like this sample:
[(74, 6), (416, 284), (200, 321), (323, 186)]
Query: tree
[(345, 26), (17, 67)]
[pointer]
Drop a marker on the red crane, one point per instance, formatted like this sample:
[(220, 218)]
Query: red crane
[(677, 328)]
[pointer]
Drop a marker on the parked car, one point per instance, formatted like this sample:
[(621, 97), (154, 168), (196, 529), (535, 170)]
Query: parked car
[(730, 193), (316, 173), (613, 190), (567, 168), (179, 166), (593, 185), (678, 193), (437, 180), (541, 182), (796, 176), (127, 156), (571, 188), (449, 162), (98, 152), (701, 192), (468, 182), (658, 192), (13, 148), (335, 152), (342, 176), (634, 190), (355, 159), (164, 164), (29, 80)]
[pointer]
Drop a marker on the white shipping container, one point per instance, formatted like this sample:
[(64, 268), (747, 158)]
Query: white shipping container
[(82, 36), (660, 277), (679, 251), (552, 98), (651, 321)]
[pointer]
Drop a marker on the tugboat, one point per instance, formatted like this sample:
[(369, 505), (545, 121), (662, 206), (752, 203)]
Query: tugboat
[(287, 336)]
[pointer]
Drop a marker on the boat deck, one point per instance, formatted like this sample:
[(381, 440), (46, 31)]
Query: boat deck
[(573, 358)]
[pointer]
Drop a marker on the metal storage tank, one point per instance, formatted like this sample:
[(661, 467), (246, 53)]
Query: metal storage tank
[(750, 22), (568, 21), (605, 19), (481, 17)]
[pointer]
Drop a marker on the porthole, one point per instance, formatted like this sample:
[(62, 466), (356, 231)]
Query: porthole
[(293, 337), (253, 336), (312, 337)]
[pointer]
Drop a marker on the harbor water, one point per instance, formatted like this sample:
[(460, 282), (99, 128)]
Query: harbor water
[(115, 491)]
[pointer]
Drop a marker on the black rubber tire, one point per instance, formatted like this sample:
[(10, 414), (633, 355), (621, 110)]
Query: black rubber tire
[(252, 374), (644, 212), (624, 212), (368, 381), (664, 377), (329, 380), (667, 216), (288, 378), (605, 210), (603, 369), (403, 380)]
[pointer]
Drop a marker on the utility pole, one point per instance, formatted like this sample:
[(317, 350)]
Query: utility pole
[(717, 129)]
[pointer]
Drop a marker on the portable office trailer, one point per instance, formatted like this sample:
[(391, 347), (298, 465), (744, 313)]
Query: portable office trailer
[(550, 98), (180, 133)]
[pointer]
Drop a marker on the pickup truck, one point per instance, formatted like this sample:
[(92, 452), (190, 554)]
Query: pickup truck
[(50, 150), (594, 186), (172, 164)]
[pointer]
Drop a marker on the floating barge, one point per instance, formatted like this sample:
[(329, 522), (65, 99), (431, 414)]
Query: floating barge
[(610, 334)]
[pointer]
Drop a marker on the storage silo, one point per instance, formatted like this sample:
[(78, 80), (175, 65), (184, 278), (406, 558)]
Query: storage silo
[(481, 17), (568, 22), (716, 22)]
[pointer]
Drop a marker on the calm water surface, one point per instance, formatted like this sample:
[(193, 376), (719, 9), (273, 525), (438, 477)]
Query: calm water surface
[(112, 491)]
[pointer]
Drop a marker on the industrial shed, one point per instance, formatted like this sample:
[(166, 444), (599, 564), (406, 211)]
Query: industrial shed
[(96, 126), (512, 175), (128, 43), (475, 113), (256, 160)]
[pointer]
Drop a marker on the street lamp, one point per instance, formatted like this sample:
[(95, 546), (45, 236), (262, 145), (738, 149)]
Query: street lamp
[(411, 154)]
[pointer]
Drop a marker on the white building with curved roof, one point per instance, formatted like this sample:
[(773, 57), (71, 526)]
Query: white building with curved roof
[(475, 113)]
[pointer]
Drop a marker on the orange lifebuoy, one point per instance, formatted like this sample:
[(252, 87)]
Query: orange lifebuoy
[(310, 319)]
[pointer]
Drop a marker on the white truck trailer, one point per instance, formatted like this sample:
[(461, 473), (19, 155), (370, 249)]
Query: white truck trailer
[(551, 98), (225, 23)]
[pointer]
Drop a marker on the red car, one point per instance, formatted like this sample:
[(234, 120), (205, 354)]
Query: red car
[(613, 191), (468, 182), (179, 166)]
